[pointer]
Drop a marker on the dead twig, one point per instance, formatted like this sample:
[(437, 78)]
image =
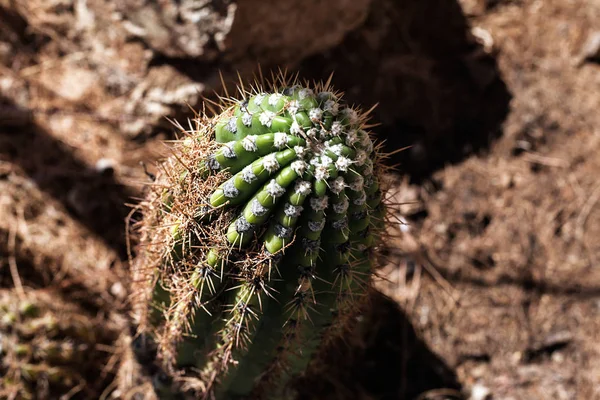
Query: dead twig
[(12, 262)]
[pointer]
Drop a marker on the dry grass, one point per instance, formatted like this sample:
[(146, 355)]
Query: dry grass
[(514, 233), (497, 271)]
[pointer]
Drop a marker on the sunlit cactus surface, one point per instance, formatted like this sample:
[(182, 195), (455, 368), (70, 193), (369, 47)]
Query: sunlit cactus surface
[(259, 237)]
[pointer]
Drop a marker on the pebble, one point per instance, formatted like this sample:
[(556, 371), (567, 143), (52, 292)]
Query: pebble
[(480, 392)]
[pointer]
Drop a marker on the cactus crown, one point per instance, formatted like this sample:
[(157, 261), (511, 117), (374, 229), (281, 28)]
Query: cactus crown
[(257, 236)]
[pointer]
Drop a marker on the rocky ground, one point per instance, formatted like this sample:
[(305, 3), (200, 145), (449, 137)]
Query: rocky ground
[(492, 283)]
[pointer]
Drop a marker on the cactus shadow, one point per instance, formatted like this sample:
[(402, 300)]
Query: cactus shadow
[(438, 89), (385, 360), (92, 196)]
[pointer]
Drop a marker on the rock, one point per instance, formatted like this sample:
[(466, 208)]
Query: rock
[(285, 32), (133, 62), (480, 392), (69, 82), (163, 92), (268, 32), (187, 28), (591, 49), (105, 166)]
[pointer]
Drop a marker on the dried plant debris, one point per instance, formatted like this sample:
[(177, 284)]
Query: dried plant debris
[(51, 349)]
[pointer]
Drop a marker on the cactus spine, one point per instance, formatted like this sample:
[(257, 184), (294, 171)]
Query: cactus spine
[(48, 348), (258, 236)]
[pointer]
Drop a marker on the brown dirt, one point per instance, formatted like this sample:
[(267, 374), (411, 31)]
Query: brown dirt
[(493, 284), (513, 233)]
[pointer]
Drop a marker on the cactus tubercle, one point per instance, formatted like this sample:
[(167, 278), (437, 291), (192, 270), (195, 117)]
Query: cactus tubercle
[(261, 233)]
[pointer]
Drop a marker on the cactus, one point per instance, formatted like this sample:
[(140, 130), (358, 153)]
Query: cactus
[(48, 348), (258, 238)]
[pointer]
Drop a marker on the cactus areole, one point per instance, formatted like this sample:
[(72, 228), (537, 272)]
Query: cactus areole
[(258, 239)]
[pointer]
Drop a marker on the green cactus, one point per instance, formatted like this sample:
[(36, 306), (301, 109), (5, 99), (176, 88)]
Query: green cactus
[(48, 348), (258, 238)]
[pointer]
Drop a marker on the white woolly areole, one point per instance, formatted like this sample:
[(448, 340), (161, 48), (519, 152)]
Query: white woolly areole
[(232, 125), (359, 215), (366, 142), (336, 128), (299, 167), (229, 190), (270, 163), (332, 107), (343, 163), (310, 245), (340, 224), (274, 98), (368, 168), (248, 175), (342, 206), (296, 129), (325, 96), (247, 119), (213, 164), (312, 133), (302, 188), (368, 146), (292, 211), (315, 114), (337, 185), (280, 140), (321, 173), (304, 93), (300, 151), (352, 115), (358, 184), (282, 231), (258, 99), (337, 149), (319, 203), (293, 106), (228, 151), (249, 143), (258, 209), (326, 161), (359, 201), (361, 157), (316, 226), (274, 189), (351, 137), (266, 118), (242, 226)]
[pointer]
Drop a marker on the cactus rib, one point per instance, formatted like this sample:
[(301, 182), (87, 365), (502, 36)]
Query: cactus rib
[(257, 241)]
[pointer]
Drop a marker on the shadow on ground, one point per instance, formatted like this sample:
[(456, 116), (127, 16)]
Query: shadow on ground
[(91, 196), (388, 361), (438, 89)]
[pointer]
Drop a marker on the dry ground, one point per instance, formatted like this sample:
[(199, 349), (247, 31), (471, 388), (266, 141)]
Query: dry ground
[(495, 275), (514, 232)]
